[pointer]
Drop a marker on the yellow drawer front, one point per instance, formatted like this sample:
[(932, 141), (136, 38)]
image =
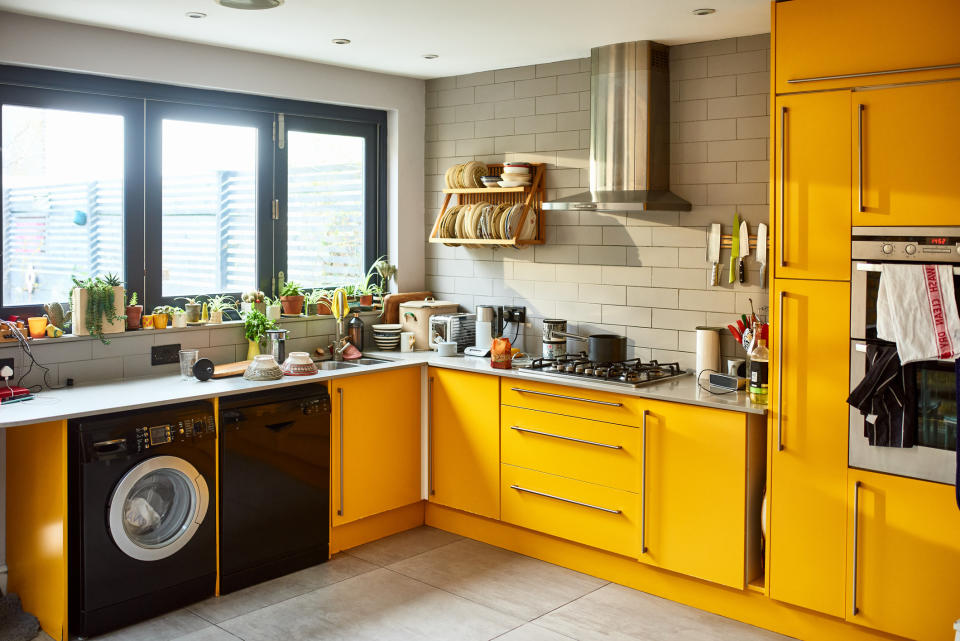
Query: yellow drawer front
[(603, 453), (594, 515), (571, 401)]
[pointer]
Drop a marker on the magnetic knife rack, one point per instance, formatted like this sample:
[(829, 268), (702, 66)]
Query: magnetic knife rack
[(726, 241)]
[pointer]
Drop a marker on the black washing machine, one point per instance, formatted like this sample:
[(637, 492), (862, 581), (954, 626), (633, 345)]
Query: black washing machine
[(141, 535)]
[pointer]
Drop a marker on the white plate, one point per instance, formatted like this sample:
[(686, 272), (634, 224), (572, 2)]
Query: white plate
[(504, 183)]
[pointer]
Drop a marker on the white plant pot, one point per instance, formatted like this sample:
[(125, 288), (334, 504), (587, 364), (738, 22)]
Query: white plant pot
[(216, 318), (78, 303), (179, 319), (273, 312)]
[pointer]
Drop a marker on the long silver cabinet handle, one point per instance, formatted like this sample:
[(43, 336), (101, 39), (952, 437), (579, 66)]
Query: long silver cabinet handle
[(856, 540), (783, 295), (867, 74), (781, 230), (430, 487), (340, 396), (569, 398), (560, 498), (643, 488), (565, 438), (860, 109)]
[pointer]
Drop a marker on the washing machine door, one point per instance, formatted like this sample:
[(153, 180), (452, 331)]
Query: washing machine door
[(157, 507)]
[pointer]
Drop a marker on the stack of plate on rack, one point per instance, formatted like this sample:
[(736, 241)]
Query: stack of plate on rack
[(515, 174), (487, 221), (468, 175)]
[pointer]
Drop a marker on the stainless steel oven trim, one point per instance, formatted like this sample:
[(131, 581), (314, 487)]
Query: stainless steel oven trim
[(924, 463), (898, 232)]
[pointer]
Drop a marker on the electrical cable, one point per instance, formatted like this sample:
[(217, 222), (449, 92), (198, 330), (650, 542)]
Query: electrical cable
[(708, 389), (25, 346)]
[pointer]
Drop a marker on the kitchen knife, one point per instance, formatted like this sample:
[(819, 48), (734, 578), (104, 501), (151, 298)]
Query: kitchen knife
[(713, 254), (744, 250), (734, 248), (762, 252)]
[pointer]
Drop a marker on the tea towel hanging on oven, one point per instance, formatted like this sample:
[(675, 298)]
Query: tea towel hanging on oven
[(917, 309), (882, 398)]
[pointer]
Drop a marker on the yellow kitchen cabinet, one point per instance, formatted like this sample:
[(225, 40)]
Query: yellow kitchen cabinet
[(464, 441), (811, 229), (817, 38), (903, 556), (375, 443), (695, 498), (808, 411), (906, 148)]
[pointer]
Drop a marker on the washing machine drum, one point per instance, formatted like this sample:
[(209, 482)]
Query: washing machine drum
[(157, 507)]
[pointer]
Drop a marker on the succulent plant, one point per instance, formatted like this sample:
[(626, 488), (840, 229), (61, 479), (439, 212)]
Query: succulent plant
[(57, 316)]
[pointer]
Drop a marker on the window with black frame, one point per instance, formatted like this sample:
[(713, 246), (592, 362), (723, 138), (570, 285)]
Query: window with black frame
[(181, 192)]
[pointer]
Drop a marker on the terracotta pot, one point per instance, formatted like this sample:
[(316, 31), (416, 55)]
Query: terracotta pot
[(193, 311), (291, 304), (323, 309), (366, 299), (134, 312)]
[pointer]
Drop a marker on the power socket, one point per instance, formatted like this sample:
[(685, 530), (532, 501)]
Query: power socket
[(165, 354), (511, 314)]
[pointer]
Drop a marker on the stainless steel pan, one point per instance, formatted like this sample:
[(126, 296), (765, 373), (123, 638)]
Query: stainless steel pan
[(601, 348)]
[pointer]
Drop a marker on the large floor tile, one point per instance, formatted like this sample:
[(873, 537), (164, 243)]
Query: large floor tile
[(403, 545), (168, 627), (617, 613), (375, 606), (506, 581), (218, 609), (532, 632), (212, 633)]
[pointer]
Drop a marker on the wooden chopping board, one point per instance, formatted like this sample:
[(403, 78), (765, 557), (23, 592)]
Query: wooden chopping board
[(230, 369), (391, 304)]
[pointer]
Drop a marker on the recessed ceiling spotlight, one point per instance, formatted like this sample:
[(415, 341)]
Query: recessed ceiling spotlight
[(250, 4), (703, 12), (196, 15), (341, 41), (431, 56)]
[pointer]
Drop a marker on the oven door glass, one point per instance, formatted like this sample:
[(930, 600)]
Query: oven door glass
[(936, 409)]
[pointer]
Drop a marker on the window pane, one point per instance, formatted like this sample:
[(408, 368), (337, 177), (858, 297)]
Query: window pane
[(209, 208), (325, 213), (62, 200)]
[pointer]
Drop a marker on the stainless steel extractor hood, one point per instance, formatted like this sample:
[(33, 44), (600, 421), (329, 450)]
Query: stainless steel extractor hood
[(629, 132)]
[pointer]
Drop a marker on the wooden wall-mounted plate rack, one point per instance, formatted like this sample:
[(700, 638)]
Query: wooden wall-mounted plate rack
[(531, 196)]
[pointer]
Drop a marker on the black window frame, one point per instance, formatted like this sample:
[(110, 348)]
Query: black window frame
[(67, 90)]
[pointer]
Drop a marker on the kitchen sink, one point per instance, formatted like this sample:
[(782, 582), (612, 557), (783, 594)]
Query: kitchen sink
[(329, 365), (367, 360)]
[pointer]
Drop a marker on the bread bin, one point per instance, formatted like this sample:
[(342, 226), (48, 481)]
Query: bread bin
[(415, 317)]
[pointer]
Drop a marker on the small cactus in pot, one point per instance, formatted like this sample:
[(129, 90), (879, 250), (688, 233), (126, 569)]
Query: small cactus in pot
[(57, 316)]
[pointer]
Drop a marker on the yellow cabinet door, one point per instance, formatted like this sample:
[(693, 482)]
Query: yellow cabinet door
[(694, 477), (464, 441), (809, 414), (375, 443), (906, 147), (903, 557), (811, 229), (816, 38)]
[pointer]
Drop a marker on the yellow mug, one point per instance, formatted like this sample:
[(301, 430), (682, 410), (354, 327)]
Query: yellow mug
[(38, 326), (146, 321)]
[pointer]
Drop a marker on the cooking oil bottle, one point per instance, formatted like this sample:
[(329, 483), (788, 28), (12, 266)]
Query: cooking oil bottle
[(759, 372)]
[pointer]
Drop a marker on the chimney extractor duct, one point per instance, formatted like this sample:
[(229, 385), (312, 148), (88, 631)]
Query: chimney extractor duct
[(629, 132)]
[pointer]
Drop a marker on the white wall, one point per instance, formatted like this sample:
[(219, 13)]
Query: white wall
[(51, 44)]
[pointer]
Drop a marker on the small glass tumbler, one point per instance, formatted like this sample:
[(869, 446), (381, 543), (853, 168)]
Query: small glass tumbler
[(188, 357)]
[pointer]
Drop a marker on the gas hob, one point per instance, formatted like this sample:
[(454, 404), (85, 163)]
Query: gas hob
[(631, 373)]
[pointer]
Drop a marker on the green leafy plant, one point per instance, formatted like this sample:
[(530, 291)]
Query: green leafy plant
[(220, 303), (100, 303), (271, 302), (291, 288), (190, 300), (255, 325), (317, 295), (367, 285)]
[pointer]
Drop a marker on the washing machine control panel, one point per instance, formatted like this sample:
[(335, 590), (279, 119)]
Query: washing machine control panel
[(195, 427)]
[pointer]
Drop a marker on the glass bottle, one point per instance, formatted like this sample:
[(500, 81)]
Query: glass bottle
[(355, 331), (759, 372)]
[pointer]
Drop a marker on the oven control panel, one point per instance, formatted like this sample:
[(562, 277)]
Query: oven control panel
[(919, 244)]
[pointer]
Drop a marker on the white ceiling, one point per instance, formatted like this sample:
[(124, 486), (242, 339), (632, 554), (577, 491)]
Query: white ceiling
[(392, 35)]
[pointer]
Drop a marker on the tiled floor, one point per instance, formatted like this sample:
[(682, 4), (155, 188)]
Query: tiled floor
[(428, 584)]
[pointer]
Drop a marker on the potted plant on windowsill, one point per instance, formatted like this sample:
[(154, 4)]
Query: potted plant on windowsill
[(317, 302), (192, 308), (98, 304), (255, 326), (253, 299), (291, 297), (134, 312), (274, 308), (216, 306), (163, 316)]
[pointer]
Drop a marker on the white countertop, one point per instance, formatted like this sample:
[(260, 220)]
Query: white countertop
[(135, 393)]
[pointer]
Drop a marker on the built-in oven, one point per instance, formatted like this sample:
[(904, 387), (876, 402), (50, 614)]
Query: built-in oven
[(930, 385)]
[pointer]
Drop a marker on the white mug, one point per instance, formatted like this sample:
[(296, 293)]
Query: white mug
[(407, 341), (446, 348)]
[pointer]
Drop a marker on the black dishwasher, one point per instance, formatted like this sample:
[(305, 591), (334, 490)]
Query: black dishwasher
[(274, 484)]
